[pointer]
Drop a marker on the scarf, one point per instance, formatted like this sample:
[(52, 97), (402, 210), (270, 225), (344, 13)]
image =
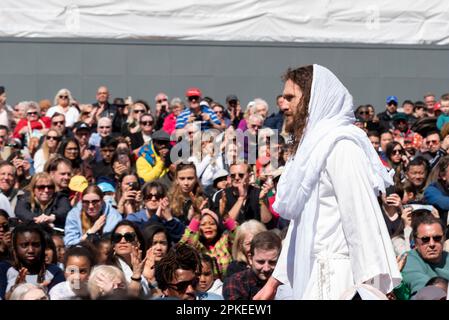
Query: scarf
[(147, 151)]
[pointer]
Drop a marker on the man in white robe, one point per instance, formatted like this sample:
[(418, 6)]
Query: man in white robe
[(337, 237)]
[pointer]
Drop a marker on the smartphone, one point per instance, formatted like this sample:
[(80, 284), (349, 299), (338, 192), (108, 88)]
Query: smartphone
[(123, 159)]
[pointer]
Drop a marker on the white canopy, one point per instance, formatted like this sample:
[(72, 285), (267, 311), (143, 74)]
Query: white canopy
[(322, 21)]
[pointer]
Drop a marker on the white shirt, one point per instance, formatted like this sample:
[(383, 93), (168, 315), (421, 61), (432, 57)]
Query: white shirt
[(71, 116), (350, 246)]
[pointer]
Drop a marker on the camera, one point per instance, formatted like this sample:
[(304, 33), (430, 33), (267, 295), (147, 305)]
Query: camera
[(134, 186)]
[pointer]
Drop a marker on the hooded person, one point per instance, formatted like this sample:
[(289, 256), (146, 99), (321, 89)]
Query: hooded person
[(337, 236)]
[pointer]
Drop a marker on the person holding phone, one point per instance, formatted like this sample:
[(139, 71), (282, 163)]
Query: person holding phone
[(90, 218), (128, 195)]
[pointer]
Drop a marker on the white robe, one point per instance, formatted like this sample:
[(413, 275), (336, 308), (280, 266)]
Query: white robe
[(351, 243)]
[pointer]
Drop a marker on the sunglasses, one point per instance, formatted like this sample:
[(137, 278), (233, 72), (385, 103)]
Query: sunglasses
[(183, 285), (397, 152), (57, 123), (234, 175), (53, 138), (139, 111), (364, 112), (42, 187), (150, 196), (63, 97), (161, 100), (33, 113), (87, 203), (432, 142), (193, 98), (105, 127), (5, 227), (146, 123), (129, 237), (427, 239)]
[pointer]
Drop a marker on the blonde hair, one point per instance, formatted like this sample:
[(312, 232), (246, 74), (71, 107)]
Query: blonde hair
[(22, 289), (32, 184), (60, 92), (109, 272), (248, 227), (45, 150)]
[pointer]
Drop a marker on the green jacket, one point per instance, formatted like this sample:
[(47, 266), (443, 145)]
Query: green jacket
[(417, 272)]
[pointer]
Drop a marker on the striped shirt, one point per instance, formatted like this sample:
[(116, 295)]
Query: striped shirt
[(181, 120)]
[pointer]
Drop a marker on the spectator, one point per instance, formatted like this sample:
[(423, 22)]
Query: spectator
[(5, 114), (47, 150), (90, 220), (22, 163), (104, 130), (416, 173), (58, 123), (28, 245), (128, 254), (106, 280), (220, 112), (29, 291), (103, 166), (276, 120), (408, 107), (233, 111), (5, 235), (60, 169), (263, 255), (156, 210), (210, 235), (152, 157), (128, 196), (63, 104), (82, 132), (33, 125), (8, 180), (161, 100), (444, 116), (430, 100), (70, 149), (436, 193), (208, 282), (136, 110), (41, 204), (142, 137), (396, 159), (5, 147), (102, 108), (428, 259), (79, 261), (176, 107), (197, 112), (386, 117), (241, 246)]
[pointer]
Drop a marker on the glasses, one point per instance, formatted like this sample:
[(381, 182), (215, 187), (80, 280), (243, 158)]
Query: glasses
[(428, 142), (57, 123), (107, 150), (5, 226), (364, 112), (161, 100), (234, 175), (193, 98), (218, 111), (56, 138), (32, 113), (63, 97), (183, 285), (42, 187), (255, 126), (397, 152), (146, 123), (104, 127), (427, 239), (139, 111), (71, 149), (87, 203), (150, 196), (129, 237)]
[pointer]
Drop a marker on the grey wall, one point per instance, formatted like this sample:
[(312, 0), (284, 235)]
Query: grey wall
[(37, 69)]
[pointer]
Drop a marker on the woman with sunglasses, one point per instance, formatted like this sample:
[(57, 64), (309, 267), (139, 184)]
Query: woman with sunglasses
[(136, 110), (157, 210), (91, 218), (143, 136), (42, 204), (33, 125), (128, 254), (397, 159), (64, 104), (186, 194), (47, 150)]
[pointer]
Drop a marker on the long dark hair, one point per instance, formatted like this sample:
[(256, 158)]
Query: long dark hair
[(77, 162), (303, 77), (112, 259)]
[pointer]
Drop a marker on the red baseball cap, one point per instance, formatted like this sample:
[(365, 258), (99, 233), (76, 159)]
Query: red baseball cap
[(193, 92)]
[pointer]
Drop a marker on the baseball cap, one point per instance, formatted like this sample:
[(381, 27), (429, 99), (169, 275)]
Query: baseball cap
[(106, 187), (392, 99), (193, 92), (80, 125), (160, 135), (231, 97), (78, 183)]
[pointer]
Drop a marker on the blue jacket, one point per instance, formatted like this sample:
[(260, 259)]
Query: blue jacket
[(437, 196), (275, 121), (73, 229), (175, 228)]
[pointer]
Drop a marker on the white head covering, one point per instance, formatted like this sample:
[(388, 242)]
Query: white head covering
[(331, 117), (330, 120)]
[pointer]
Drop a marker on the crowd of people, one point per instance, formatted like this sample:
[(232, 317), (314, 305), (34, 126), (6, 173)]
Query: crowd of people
[(118, 199)]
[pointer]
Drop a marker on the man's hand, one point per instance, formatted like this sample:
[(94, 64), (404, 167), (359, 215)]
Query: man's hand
[(268, 292)]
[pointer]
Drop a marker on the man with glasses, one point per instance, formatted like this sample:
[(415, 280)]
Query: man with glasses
[(386, 117), (197, 113), (177, 274), (428, 259), (102, 108), (242, 201), (58, 124)]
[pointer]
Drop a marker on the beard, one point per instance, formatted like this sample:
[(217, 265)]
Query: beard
[(295, 125)]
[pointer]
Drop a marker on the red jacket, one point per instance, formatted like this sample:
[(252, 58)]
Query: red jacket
[(43, 122)]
